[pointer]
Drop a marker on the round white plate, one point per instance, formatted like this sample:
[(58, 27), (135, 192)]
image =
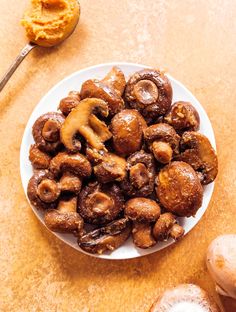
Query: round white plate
[(50, 103)]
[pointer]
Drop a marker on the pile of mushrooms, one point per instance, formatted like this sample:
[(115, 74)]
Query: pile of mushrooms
[(118, 159)]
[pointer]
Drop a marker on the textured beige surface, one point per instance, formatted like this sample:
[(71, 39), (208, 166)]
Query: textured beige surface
[(195, 42)]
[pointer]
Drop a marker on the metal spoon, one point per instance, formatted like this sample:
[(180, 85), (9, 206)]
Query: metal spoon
[(24, 52)]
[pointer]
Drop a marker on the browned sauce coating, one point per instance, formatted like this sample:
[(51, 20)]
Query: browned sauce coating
[(46, 131), (70, 102), (127, 130), (100, 203), (142, 235), (32, 190), (150, 92), (39, 159), (183, 116), (140, 177), (179, 189)]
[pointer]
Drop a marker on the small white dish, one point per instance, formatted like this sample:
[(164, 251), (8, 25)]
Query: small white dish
[(50, 103)]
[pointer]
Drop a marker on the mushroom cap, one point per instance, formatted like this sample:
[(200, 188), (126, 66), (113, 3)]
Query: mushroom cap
[(43, 144), (70, 102), (141, 174), (142, 209), (149, 91), (179, 189), (163, 226), (142, 235), (127, 129), (164, 133), (100, 203), (198, 152), (74, 163), (221, 263), (183, 116), (82, 120), (111, 168), (184, 298), (64, 219), (32, 189), (107, 238), (115, 79), (38, 158), (100, 90)]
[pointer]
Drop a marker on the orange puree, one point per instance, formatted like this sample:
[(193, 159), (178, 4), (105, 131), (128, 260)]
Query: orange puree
[(49, 22)]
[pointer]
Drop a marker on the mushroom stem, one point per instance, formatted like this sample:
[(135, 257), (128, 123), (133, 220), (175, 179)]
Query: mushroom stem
[(166, 226), (65, 219), (78, 121), (162, 151), (115, 79), (70, 183), (48, 190)]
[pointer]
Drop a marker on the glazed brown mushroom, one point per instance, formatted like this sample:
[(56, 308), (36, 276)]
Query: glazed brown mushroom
[(82, 121), (198, 152), (127, 130), (70, 102), (166, 226), (111, 168), (142, 235), (74, 163), (163, 141), (46, 131), (109, 89), (65, 219), (184, 298), (140, 177), (142, 209), (183, 116), (38, 158), (43, 191), (100, 203), (69, 182), (179, 189), (107, 238), (150, 92)]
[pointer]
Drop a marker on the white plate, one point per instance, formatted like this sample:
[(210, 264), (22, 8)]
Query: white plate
[(50, 103)]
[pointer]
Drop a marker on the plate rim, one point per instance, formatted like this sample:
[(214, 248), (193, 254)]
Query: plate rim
[(22, 156)]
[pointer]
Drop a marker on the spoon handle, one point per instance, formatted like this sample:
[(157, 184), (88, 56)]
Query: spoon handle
[(16, 63)]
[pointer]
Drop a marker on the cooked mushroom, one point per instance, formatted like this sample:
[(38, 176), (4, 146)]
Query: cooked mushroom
[(163, 141), (74, 163), (42, 190), (150, 92), (69, 182), (83, 121), (107, 238), (109, 89), (111, 168), (221, 263), (38, 158), (142, 209), (65, 218), (198, 152), (70, 102), (166, 226), (183, 116), (46, 131), (100, 203), (140, 178), (127, 130), (184, 298), (142, 235), (179, 189)]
